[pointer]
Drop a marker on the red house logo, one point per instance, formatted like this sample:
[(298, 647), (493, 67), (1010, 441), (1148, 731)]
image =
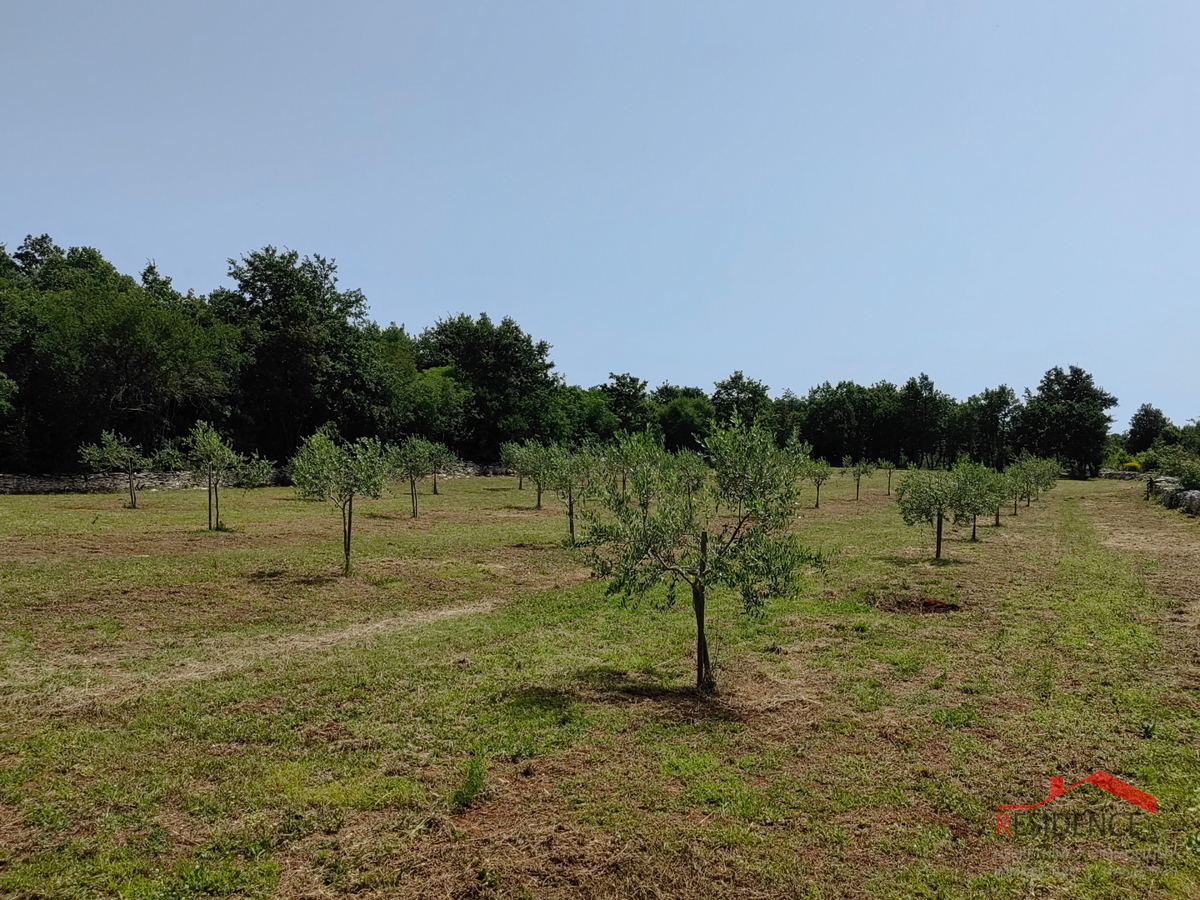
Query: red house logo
[(1110, 783)]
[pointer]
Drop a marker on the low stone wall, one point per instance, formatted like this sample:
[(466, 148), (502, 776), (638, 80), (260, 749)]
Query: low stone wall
[(1163, 488), (94, 484), (161, 481)]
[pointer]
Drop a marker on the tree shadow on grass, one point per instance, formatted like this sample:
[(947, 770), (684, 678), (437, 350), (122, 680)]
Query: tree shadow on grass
[(611, 684), (541, 703), (908, 561)]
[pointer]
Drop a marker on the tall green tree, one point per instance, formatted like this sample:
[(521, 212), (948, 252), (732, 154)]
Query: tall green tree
[(925, 413), (731, 528), (310, 357), (685, 422), (1067, 419), (742, 397), (510, 376), (1146, 426), (584, 415), (89, 349), (628, 400), (986, 425)]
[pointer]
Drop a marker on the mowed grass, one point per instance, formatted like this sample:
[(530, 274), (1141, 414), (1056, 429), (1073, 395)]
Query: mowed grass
[(194, 714)]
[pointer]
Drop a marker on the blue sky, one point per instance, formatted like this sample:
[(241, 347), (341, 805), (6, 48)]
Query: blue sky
[(803, 191)]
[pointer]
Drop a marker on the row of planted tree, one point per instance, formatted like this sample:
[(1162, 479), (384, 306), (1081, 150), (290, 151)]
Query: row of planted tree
[(328, 468), (645, 517)]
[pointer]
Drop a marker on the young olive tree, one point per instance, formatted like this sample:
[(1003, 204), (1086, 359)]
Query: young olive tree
[(511, 459), (412, 460), (626, 457), (818, 472), (116, 453), (537, 463), (926, 496), (1030, 476), (888, 466), (858, 471), (208, 454), (570, 475), (729, 527), (442, 461), (977, 490), (326, 469)]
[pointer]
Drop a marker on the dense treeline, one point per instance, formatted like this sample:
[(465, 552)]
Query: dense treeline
[(284, 350)]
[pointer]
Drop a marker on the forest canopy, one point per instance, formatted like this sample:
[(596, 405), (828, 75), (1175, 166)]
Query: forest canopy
[(284, 350)]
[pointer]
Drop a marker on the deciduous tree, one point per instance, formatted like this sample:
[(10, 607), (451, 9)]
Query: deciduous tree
[(740, 396), (1145, 427), (1067, 419)]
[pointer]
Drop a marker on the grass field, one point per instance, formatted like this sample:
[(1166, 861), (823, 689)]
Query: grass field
[(196, 714)]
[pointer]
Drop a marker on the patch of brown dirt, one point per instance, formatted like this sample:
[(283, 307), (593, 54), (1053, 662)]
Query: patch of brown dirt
[(913, 602)]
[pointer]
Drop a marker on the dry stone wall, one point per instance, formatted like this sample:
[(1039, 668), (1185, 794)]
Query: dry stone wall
[(94, 484), (1163, 488)]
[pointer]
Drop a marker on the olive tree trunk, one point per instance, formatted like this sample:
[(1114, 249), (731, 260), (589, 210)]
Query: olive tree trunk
[(705, 682), (347, 529)]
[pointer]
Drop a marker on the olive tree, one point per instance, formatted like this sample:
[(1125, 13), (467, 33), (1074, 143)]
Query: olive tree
[(887, 466), (536, 461), (818, 472), (1030, 476), (977, 490), (858, 471), (570, 474), (412, 460), (926, 496), (730, 527), (326, 469), (442, 461), (208, 454), (511, 459), (116, 453)]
